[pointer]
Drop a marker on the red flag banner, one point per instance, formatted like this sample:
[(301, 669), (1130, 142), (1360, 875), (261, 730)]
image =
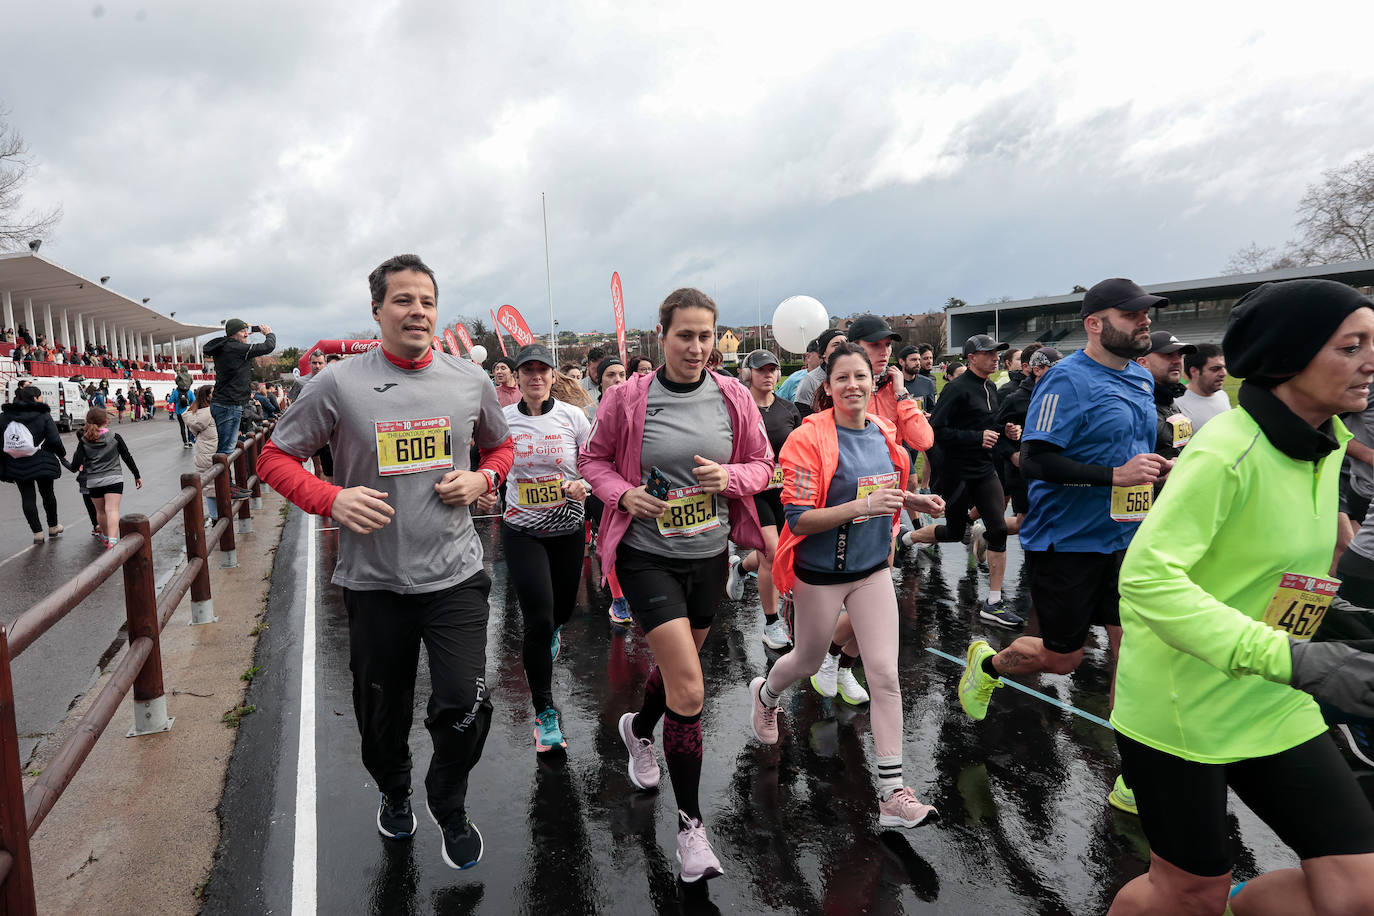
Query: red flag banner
[(496, 329), (452, 343), (509, 317), (618, 304), (439, 344), (462, 332)]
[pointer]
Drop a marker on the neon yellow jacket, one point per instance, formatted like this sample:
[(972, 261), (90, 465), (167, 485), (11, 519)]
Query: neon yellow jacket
[(1201, 676)]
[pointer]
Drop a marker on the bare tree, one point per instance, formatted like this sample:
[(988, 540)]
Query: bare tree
[(18, 227), (1254, 258), (1336, 217)]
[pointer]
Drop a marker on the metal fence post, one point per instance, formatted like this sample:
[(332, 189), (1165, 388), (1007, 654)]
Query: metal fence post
[(244, 525), (16, 894), (250, 450), (193, 520), (224, 505), (140, 606)]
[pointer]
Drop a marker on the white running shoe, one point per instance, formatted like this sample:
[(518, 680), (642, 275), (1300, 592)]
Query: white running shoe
[(775, 635), (850, 690), (734, 581), (824, 679)]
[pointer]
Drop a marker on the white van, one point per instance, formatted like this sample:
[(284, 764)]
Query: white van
[(66, 400)]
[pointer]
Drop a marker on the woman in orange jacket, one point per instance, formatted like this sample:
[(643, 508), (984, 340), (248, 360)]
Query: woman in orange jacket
[(844, 481)]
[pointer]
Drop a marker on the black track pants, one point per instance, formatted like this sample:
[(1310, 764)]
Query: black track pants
[(385, 631)]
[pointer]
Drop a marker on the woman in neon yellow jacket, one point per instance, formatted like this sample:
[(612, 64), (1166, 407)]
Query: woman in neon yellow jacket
[(1221, 590)]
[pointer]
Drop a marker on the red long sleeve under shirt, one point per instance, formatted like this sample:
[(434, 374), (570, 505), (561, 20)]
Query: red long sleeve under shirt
[(287, 474)]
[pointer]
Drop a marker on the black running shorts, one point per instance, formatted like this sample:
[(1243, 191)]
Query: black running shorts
[(111, 490), (1071, 591), (662, 588), (769, 506), (1307, 795)]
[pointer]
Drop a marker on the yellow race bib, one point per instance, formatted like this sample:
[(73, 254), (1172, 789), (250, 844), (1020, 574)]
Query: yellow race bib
[(872, 484), (1300, 603), (1180, 430), (690, 511), (1130, 504), (775, 483), (410, 446), (540, 492)]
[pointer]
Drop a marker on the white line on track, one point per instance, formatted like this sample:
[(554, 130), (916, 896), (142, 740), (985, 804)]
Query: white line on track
[(303, 887)]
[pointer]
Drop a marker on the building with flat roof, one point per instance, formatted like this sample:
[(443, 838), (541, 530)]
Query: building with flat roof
[(1197, 312)]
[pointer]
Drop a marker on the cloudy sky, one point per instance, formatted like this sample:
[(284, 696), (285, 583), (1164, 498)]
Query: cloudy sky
[(258, 159)]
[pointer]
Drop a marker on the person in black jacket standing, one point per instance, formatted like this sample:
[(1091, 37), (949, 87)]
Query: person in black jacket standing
[(29, 458), (1173, 429), (967, 433), (1013, 409), (233, 357)]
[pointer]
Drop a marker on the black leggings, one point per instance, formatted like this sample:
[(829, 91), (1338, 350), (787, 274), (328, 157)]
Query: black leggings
[(545, 572), (29, 491), (986, 495), (185, 437)]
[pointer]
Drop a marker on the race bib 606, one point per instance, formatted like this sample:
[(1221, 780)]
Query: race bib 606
[(409, 446)]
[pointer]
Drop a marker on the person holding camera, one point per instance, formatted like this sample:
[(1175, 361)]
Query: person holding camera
[(233, 357)]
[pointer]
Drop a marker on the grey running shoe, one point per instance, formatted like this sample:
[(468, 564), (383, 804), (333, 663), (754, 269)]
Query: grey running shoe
[(1000, 614), (643, 768)]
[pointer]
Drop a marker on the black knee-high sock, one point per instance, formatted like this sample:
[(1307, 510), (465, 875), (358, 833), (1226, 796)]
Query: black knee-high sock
[(682, 748), (655, 702), (836, 649), (847, 661)]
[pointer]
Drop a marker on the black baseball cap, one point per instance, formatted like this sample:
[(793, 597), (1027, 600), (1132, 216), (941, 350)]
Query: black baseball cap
[(534, 353), (872, 329), (982, 343), (813, 346), (1119, 293), (1165, 342), (760, 358)]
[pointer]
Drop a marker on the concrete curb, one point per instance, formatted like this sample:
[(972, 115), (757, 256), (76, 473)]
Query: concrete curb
[(136, 831)]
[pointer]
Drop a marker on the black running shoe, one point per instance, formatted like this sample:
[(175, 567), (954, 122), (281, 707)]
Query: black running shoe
[(395, 819), (240, 493), (1000, 614), (462, 841)]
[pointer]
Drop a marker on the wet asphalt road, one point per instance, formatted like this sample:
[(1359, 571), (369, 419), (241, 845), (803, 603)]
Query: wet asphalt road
[(59, 667), (1024, 825)]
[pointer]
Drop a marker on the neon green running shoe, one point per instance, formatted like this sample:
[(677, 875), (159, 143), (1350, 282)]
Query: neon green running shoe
[(1122, 798), (975, 686)]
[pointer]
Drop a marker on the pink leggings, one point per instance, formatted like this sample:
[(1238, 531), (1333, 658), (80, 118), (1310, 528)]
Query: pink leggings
[(872, 607)]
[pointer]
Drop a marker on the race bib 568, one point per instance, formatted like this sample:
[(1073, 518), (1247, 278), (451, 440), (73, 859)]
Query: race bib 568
[(1132, 504)]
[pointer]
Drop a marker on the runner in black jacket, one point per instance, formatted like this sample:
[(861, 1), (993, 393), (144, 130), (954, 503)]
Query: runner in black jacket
[(1013, 410)]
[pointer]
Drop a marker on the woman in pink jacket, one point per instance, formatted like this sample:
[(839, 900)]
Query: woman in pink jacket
[(676, 456)]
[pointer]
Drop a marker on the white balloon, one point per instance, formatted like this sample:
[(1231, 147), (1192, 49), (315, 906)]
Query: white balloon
[(797, 321), (479, 354)]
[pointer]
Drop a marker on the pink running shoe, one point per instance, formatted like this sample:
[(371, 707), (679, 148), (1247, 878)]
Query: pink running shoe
[(643, 764), (764, 719), (694, 853), (902, 809)]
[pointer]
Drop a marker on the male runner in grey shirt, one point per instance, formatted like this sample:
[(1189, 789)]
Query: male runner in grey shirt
[(399, 419)]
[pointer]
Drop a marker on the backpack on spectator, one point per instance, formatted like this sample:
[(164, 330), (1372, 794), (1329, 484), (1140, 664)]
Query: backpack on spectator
[(19, 441)]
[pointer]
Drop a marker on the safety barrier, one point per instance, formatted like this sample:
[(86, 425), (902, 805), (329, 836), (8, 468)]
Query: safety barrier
[(141, 668)]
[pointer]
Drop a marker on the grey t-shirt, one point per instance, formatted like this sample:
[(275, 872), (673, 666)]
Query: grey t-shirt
[(806, 391), (678, 425), (1361, 426), (421, 422)]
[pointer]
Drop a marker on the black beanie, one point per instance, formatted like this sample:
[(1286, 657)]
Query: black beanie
[(1276, 329)]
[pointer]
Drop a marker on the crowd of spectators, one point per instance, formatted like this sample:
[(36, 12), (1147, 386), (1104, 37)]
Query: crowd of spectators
[(30, 348)]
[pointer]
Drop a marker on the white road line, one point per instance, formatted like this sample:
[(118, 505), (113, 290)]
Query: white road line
[(303, 878)]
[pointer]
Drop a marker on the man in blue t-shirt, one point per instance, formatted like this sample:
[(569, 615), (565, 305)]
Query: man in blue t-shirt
[(1088, 454)]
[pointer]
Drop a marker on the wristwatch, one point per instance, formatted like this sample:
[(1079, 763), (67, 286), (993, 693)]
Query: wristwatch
[(493, 479)]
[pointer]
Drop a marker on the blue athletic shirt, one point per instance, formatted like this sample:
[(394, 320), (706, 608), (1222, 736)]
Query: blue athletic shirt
[(862, 544), (1097, 415)]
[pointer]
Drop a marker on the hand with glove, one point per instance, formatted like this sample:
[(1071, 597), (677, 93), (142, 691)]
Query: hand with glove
[(1336, 673)]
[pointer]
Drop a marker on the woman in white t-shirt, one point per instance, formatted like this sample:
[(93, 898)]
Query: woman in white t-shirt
[(542, 529)]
